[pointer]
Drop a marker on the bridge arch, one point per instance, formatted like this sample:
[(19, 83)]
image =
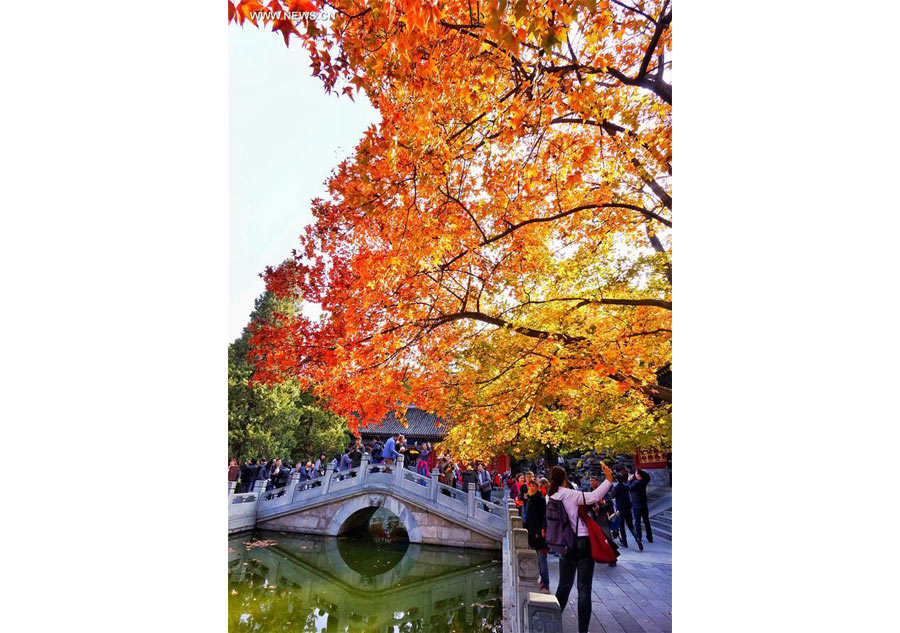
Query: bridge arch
[(359, 509)]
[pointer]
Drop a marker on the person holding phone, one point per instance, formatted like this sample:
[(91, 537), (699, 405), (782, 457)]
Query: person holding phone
[(637, 488), (579, 561)]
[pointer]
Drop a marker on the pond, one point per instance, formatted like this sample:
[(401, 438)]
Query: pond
[(311, 584)]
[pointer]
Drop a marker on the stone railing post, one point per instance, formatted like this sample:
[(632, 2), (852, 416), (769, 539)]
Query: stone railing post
[(510, 623), (516, 523), (435, 480), (232, 485), (398, 471), (363, 470), (259, 486), (512, 509), (326, 481), (470, 502), (292, 486), (525, 569), (542, 614)]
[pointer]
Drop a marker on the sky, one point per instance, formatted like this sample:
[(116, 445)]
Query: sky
[(284, 135)]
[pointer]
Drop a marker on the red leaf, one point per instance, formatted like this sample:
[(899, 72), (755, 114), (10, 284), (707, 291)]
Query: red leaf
[(286, 27)]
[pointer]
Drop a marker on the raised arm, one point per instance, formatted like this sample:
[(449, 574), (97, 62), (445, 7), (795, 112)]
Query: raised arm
[(594, 496)]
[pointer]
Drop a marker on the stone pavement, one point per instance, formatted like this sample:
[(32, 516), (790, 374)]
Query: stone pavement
[(633, 597)]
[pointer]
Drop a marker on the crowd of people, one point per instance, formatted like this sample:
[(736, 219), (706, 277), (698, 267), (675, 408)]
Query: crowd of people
[(419, 457), (617, 501)]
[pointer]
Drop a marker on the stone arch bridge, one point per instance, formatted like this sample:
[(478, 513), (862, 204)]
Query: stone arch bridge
[(340, 502)]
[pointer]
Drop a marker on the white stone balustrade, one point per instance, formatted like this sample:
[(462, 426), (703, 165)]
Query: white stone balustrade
[(462, 507), (525, 609)]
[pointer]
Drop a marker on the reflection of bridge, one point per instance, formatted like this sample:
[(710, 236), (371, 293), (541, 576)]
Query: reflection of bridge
[(427, 584), (340, 502)]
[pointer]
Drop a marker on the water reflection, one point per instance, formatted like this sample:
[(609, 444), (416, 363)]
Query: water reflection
[(317, 584), (375, 558)]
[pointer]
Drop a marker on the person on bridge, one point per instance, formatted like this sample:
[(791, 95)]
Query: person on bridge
[(356, 453), (248, 475), (422, 463), (483, 482), (412, 455), (579, 560), (320, 466), (377, 454), (448, 471), (281, 475), (402, 449), (346, 462), (468, 477), (300, 469), (389, 452), (263, 473), (234, 471)]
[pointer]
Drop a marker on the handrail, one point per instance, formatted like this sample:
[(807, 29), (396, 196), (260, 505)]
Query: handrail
[(526, 610), (455, 504)]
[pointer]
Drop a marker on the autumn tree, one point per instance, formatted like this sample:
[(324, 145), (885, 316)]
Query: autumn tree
[(497, 249), (279, 419)]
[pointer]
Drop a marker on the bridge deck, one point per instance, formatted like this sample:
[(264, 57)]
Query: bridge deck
[(426, 493)]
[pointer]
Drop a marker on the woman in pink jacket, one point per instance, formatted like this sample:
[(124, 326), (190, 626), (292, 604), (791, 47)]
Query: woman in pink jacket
[(578, 561)]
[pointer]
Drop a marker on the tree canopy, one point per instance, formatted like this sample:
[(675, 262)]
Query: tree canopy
[(276, 420), (497, 249)]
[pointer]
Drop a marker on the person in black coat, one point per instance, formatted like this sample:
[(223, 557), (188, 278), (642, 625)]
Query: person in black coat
[(637, 487), (622, 499), (248, 475), (468, 477), (535, 521), (356, 453), (300, 469), (281, 475), (263, 473)]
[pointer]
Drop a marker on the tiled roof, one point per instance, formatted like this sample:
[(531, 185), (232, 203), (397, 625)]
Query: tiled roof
[(420, 425)]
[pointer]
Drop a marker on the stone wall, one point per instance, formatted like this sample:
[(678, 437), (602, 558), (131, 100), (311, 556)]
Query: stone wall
[(659, 480), (421, 525), (438, 531)]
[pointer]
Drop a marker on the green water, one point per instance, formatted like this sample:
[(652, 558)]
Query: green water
[(292, 582)]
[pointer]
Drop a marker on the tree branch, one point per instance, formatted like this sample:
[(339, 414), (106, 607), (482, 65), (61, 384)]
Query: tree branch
[(584, 207), (665, 19)]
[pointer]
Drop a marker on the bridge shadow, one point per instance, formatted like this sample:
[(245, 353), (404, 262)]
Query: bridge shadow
[(375, 521), (359, 585)]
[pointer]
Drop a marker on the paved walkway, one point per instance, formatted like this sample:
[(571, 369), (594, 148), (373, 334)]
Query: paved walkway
[(633, 597)]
